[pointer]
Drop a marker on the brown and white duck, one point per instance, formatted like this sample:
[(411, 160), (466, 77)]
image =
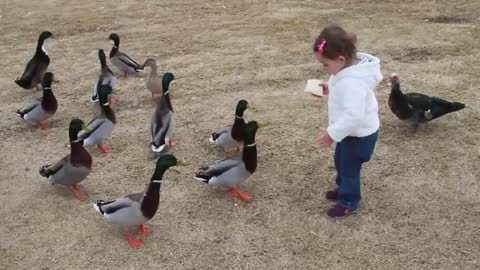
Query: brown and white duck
[(37, 66)]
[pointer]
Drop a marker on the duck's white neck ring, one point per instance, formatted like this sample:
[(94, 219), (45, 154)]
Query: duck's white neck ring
[(250, 145), (115, 46), (239, 117), (166, 93), (105, 104), (157, 181), (47, 88)]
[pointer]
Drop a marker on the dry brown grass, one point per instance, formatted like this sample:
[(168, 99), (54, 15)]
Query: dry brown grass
[(421, 192)]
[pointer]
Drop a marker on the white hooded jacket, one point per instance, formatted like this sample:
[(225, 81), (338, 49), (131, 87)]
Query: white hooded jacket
[(352, 104)]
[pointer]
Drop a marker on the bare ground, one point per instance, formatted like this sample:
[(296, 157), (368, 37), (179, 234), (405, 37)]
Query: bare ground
[(421, 192)]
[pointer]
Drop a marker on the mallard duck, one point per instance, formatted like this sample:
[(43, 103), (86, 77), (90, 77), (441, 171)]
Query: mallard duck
[(43, 108), (106, 76), (73, 168), (122, 60), (102, 125), (418, 108), (138, 208), (231, 172), (162, 123), (232, 136), (37, 66), (154, 83)]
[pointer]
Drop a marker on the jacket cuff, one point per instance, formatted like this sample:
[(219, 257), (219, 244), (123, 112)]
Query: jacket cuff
[(336, 137)]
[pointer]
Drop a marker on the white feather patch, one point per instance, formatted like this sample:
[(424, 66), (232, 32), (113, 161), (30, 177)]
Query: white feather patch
[(97, 208), (44, 50), (199, 179), (158, 149)]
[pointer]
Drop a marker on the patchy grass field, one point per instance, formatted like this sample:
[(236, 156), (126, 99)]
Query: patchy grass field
[(421, 191)]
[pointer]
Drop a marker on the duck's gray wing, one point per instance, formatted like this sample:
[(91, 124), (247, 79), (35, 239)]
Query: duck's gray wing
[(128, 60), (124, 211), (52, 169), (100, 129), (219, 167), (30, 107), (231, 177)]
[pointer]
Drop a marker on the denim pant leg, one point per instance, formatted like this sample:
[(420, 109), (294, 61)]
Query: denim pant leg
[(337, 158), (355, 151)]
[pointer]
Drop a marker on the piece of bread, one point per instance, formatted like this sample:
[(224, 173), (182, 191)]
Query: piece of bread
[(313, 87)]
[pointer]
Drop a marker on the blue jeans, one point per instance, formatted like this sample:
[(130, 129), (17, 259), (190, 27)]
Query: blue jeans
[(350, 154)]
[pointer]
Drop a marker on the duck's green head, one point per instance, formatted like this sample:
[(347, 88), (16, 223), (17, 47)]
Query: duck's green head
[(242, 106), (165, 162), (103, 92), (115, 38), (44, 35), (166, 80), (102, 57), (250, 131), (47, 80), (76, 125)]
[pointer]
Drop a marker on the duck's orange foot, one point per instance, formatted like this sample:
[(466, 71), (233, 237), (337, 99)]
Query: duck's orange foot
[(143, 230), (237, 193), (104, 149), (75, 192), (133, 242), (172, 144), (42, 125)]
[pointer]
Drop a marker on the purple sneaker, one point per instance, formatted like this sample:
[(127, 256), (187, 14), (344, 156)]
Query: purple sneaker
[(339, 211), (332, 195)]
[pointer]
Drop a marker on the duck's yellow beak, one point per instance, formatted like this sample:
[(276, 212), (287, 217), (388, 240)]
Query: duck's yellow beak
[(115, 90), (250, 107), (261, 125), (182, 163)]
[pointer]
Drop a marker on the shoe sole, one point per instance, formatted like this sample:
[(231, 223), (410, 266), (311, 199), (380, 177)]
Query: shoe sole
[(344, 216)]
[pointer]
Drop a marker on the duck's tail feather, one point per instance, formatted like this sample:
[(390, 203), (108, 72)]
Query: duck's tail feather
[(456, 106), (44, 171), (202, 178), (98, 206), (446, 107), (212, 137), (22, 83), (20, 113), (158, 149)]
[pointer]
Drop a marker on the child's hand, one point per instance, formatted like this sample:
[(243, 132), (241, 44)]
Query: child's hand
[(324, 88), (325, 139)]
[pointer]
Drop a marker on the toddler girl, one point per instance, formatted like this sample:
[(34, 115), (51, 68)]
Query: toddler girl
[(352, 112)]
